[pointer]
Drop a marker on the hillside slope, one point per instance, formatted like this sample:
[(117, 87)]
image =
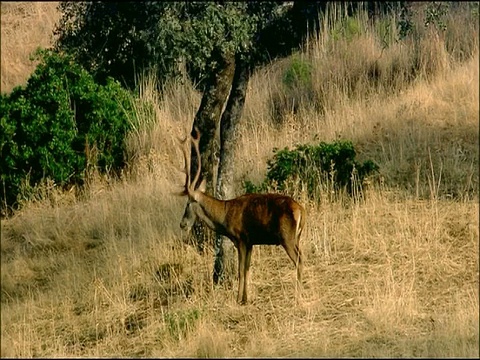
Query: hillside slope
[(25, 26)]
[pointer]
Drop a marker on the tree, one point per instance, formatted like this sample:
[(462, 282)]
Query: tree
[(220, 43)]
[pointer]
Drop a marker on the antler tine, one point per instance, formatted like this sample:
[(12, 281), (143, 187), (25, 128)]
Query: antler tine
[(196, 142), (187, 162), (182, 145)]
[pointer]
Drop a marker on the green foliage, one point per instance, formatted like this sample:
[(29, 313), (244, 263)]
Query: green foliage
[(298, 74), (181, 322), (347, 28), (405, 24), (435, 14), (474, 8), (353, 27), (45, 126), (316, 167), (120, 38), (297, 89), (108, 39)]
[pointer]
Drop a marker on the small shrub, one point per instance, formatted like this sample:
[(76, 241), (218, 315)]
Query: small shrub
[(347, 28), (405, 24), (353, 28), (297, 89), (322, 167), (298, 74), (49, 127), (435, 14), (179, 323)]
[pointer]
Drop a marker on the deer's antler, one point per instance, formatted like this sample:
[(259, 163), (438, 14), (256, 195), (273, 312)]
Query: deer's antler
[(186, 169), (195, 141), (196, 144)]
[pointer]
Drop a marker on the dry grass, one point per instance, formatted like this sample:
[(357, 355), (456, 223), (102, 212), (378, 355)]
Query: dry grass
[(394, 275), (111, 277), (25, 27)]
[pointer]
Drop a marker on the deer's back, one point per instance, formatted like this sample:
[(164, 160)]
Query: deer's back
[(263, 218)]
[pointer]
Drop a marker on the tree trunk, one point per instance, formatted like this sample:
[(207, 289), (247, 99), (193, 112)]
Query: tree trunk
[(228, 124), (206, 119)]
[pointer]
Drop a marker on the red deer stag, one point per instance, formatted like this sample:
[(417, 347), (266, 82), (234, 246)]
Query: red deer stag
[(251, 219)]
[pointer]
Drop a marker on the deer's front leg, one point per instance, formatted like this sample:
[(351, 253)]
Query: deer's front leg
[(242, 254)]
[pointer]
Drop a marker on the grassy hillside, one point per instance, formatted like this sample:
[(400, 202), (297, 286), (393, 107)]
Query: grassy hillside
[(25, 27), (107, 272)]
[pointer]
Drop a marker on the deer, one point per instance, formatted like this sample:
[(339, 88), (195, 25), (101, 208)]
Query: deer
[(250, 219)]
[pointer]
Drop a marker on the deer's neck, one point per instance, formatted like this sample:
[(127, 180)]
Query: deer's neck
[(214, 211)]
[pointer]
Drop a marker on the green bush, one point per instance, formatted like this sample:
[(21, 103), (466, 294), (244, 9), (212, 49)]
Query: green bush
[(181, 322), (45, 127), (298, 74), (347, 28), (326, 166), (297, 90)]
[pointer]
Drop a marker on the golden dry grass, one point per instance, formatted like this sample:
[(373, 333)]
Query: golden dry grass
[(395, 275), (25, 27)]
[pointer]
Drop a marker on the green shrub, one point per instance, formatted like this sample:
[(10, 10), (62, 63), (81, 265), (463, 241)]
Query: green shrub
[(181, 322), (322, 167), (298, 74), (347, 28), (45, 127), (297, 90)]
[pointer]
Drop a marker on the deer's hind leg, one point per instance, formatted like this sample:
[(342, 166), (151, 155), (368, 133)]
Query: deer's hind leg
[(242, 272), (290, 234), (246, 275), (295, 254)]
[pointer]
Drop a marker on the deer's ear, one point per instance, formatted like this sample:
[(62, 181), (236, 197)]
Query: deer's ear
[(203, 186)]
